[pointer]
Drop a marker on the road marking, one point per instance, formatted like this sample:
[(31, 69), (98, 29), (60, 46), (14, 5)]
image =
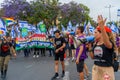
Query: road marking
[(29, 66), (66, 77), (66, 62)]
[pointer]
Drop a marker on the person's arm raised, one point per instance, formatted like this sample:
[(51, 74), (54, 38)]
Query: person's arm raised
[(101, 23)]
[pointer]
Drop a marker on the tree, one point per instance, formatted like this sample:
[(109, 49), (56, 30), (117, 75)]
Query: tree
[(46, 11), (16, 8), (76, 13)]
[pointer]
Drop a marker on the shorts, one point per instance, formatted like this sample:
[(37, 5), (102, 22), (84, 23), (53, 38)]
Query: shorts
[(102, 73), (72, 46), (59, 56), (80, 66)]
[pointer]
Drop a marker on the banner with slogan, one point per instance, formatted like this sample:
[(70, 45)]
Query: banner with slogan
[(36, 40)]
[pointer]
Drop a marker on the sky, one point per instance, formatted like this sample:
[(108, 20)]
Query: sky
[(98, 7)]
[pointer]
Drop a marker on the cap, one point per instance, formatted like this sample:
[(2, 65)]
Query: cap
[(107, 29)]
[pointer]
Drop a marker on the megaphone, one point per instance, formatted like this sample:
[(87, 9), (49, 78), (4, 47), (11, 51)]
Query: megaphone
[(78, 41), (87, 39), (66, 33)]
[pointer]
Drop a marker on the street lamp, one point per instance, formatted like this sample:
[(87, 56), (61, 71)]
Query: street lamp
[(109, 7)]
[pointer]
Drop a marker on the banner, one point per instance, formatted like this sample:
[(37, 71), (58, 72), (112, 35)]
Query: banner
[(36, 40)]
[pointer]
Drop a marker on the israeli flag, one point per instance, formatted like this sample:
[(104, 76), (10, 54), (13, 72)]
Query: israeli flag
[(118, 12), (23, 24), (69, 27), (63, 28), (3, 27), (114, 28), (91, 28), (13, 32)]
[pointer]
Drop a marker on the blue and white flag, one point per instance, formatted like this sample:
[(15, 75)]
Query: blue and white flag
[(23, 24), (118, 12), (114, 28), (69, 27), (3, 28), (63, 28), (91, 28)]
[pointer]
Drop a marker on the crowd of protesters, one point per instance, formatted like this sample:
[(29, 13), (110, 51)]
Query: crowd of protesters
[(101, 50)]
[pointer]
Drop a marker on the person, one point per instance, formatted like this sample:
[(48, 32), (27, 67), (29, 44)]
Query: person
[(59, 44), (36, 52), (72, 47), (80, 53), (6, 47), (67, 52), (102, 52)]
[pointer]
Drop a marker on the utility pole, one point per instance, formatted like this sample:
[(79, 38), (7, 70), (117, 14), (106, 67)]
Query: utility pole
[(109, 7)]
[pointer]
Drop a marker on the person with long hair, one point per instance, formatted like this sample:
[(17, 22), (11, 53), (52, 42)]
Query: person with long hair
[(102, 52)]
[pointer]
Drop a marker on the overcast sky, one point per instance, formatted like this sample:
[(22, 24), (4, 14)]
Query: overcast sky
[(98, 7)]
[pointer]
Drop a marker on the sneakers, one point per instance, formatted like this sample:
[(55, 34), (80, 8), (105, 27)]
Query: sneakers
[(37, 56), (86, 78), (34, 56), (73, 59), (56, 76), (63, 74)]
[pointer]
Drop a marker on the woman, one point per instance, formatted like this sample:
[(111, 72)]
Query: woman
[(6, 47), (102, 52)]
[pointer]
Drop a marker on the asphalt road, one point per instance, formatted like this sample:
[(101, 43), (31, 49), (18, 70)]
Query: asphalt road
[(42, 68)]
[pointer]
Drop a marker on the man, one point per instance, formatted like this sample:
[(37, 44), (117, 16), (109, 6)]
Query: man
[(80, 53), (59, 44), (5, 47)]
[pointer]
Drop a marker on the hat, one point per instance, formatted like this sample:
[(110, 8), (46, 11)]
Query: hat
[(57, 31), (107, 29)]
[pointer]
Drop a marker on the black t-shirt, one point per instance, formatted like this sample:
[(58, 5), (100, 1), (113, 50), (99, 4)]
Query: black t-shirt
[(5, 49), (59, 42), (103, 56)]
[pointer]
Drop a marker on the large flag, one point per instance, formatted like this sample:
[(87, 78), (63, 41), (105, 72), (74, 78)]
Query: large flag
[(3, 29), (114, 28), (8, 21)]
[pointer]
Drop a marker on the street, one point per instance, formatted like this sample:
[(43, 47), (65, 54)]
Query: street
[(42, 68)]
